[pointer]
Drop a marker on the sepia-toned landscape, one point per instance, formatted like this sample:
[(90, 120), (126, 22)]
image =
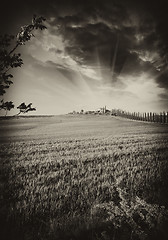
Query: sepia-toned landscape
[(83, 120)]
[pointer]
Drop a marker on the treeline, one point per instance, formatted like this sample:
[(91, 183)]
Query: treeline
[(146, 116)]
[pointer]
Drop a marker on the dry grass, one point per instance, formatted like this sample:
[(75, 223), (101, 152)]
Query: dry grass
[(87, 177)]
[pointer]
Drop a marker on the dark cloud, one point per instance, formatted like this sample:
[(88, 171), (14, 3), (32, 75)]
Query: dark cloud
[(114, 34), (94, 32), (162, 79), (163, 99), (164, 96)]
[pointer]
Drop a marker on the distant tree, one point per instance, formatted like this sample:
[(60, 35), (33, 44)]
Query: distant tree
[(23, 108), (8, 57), (7, 106)]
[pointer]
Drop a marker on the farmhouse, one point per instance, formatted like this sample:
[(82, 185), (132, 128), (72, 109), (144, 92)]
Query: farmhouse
[(103, 110)]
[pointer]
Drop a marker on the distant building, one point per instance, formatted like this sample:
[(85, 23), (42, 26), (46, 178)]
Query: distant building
[(107, 111), (103, 110)]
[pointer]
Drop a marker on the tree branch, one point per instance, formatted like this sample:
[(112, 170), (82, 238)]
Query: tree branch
[(13, 49)]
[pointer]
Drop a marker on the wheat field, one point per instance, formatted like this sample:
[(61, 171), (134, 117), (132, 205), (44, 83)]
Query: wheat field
[(83, 177)]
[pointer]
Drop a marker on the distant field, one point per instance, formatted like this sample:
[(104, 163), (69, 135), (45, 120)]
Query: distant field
[(83, 177)]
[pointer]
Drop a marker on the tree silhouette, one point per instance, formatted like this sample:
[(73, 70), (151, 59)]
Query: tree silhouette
[(7, 106), (23, 108), (9, 58)]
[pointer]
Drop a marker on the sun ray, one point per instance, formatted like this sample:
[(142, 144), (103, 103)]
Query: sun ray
[(113, 61)]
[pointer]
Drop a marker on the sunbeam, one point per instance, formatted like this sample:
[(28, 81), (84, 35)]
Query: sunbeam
[(113, 59)]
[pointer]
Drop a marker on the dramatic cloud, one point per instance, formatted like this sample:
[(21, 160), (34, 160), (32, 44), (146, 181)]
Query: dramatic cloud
[(101, 52)]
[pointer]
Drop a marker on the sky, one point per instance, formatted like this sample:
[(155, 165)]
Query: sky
[(92, 54)]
